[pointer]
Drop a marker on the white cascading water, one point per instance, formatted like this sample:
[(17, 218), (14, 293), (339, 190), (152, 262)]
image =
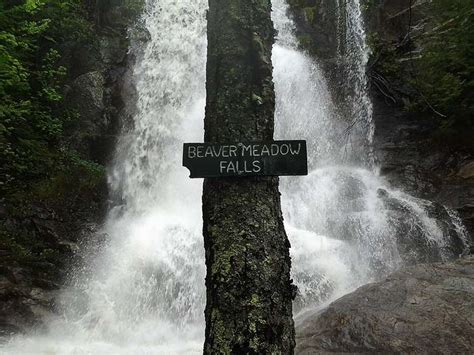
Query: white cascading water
[(353, 56), (145, 294), (342, 232)]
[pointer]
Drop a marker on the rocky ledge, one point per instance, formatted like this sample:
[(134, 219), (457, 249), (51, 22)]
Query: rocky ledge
[(428, 308)]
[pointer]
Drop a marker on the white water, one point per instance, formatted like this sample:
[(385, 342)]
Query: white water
[(353, 56), (342, 233), (146, 292)]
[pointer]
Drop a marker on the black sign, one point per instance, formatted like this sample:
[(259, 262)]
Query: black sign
[(278, 158)]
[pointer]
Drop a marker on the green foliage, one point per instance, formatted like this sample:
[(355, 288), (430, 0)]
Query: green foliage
[(433, 72), (133, 7), (74, 178), (305, 40), (310, 14), (39, 173), (386, 56), (25, 248), (446, 67), (33, 33), (309, 8)]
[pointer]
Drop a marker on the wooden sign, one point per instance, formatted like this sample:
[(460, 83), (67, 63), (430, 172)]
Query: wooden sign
[(277, 158)]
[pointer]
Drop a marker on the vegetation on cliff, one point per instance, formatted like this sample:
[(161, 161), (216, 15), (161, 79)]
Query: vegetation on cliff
[(431, 68), (61, 64), (38, 168), (33, 118), (422, 55)]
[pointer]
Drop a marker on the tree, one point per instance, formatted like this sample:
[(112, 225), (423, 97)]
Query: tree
[(33, 36), (249, 291)]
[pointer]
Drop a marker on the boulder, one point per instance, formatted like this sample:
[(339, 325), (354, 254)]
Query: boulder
[(428, 308), (467, 171), (87, 96)]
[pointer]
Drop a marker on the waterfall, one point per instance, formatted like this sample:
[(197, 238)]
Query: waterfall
[(347, 227), (145, 291), (353, 57)]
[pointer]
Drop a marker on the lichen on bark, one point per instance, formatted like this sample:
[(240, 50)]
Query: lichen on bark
[(249, 291)]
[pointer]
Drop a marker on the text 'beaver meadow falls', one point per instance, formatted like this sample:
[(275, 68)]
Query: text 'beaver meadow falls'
[(278, 158)]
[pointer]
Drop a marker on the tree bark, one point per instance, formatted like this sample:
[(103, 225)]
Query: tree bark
[(249, 291)]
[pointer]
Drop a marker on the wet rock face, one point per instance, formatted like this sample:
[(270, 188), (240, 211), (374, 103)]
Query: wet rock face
[(30, 284), (87, 97), (406, 151), (391, 17), (409, 158), (27, 295), (317, 27), (407, 313), (100, 78), (413, 243)]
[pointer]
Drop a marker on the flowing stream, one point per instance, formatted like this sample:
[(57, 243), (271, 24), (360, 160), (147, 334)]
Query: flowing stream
[(146, 292)]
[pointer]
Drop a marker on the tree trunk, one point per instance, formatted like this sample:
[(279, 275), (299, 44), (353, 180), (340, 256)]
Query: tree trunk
[(249, 291)]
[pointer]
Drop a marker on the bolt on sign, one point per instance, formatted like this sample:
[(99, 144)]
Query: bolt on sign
[(276, 158)]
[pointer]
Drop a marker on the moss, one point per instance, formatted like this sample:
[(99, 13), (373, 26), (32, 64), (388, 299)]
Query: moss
[(74, 187), (223, 264), (305, 41), (255, 300), (134, 7), (24, 248), (310, 14), (80, 179), (368, 5), (221, 333)]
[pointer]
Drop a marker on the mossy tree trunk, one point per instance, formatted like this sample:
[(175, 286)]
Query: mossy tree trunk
[(249, 291)]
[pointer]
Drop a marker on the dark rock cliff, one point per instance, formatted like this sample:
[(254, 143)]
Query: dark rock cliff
[(48, 231), (410, 154)]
